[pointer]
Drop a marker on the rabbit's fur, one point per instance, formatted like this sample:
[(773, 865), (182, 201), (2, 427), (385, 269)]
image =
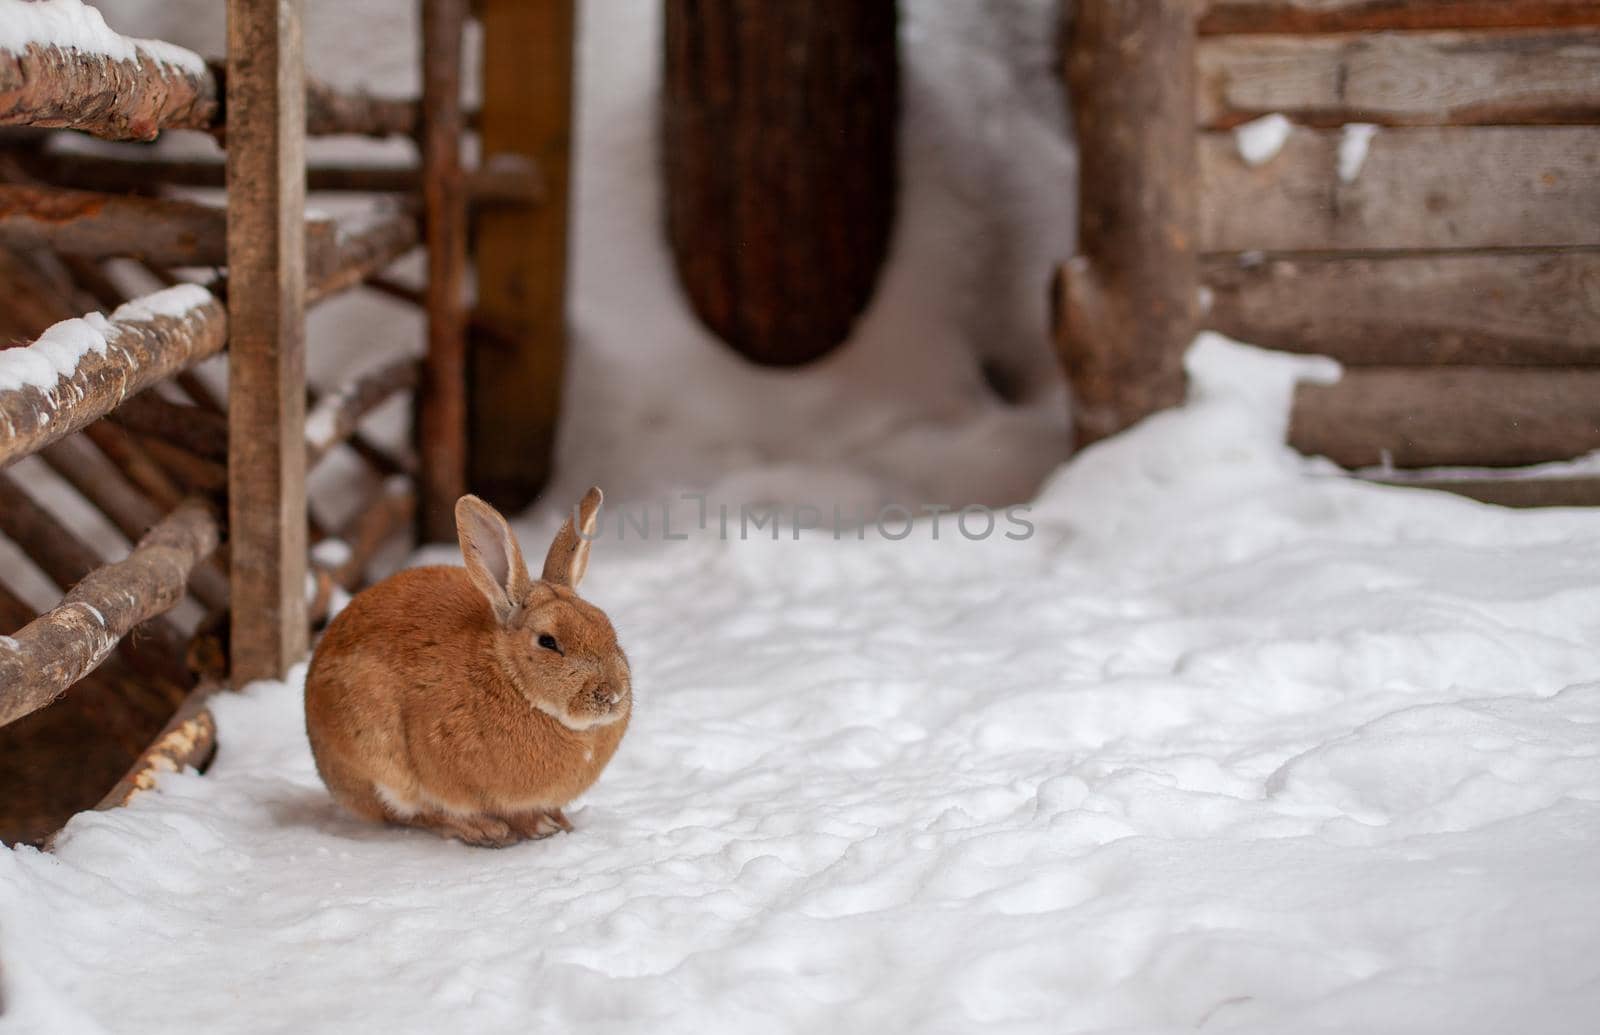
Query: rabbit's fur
[(431, 702)]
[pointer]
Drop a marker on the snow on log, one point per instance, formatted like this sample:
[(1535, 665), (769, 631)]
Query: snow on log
[(61, 65), (1525, 307), (336, 414), (1126, 306), (355, 250), (79, 370), (41, 660), (1541, 491), (1257, 16), (1443, 417), (1441, 188), (164, 231), (1402, 79)]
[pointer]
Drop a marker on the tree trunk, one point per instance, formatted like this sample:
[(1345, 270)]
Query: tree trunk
[(779, 148)]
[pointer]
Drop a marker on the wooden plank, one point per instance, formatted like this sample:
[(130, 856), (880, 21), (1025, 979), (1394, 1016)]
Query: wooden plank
[(52, 652), (1514, 492), (1476, 187), (441, 427), (266, 364), (80, 370), (514, 384), (1230, 16), (1523, 76), (1535, 307), (1433, 417), (1125, 306)]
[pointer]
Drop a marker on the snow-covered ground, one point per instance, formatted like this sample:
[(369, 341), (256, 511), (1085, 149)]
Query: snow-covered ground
[(1229, 741)]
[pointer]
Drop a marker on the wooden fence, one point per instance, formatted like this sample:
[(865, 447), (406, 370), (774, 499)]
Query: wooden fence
[(1444, 250), (211, 491)]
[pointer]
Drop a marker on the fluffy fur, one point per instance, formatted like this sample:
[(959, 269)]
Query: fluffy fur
[(473, 702)]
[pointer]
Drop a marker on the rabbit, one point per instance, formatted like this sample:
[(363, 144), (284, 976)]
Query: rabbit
[(472, 702)]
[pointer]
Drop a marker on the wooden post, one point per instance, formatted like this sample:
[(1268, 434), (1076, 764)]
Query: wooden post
[(266, 357), (778, 151), (1127, 303), (441, 421), (515, 377)]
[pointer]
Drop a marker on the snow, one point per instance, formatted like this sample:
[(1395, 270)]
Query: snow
[(176, 301), (75, 26), (1260, 140), (54, 355), (1353, 147), (1229, 740)]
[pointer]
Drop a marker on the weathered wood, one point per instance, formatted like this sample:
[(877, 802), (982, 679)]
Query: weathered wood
[(337, 413), (441, 412), (1534, 307), (131, 99), (331, 112), (97, 226), (52, 652), (201, 432), (383, 515), (357, 249), (1476, 187), (196, 474), (1514, 492), (1126, 304), (266, 302), (135, 463), (1403, 79), (778, 157), (188, 739), (1441, 417), (66, 559), (145, 341), (99, 481), (1230, 16), (514, 384)]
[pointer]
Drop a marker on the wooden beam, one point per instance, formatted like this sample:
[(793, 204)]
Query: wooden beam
[(44, 658), (1230, 16), (1514, 492), (441, 412), (119, 99), (1512, 76), (80, 370), (1126, 304), (338, 413), (1475, 187), (91, 225), (1533, 307), (1433, 417), (266, 357), (514, 384)]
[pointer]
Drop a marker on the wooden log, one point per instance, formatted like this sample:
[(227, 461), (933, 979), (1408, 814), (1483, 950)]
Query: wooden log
[(52, 652), (266, 358), (1514, 492), (337, 414), (1252, 16), (346, 557), (514, 387), (1403, 79), (133, 98), (441, 412), (357, 249), (80, 370), (1533, 307), (198, 476), (188, 739), (1476, 187), (99, 481), (778, 152), (133, 461), (201, 432), (1126, 304), (1433, 417), (331, 112), (96, 226)]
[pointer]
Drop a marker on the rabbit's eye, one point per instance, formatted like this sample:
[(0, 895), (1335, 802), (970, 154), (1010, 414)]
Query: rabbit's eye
[(548, 642)]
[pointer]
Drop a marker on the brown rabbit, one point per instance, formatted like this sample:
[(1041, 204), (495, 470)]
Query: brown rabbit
[(475, 702)]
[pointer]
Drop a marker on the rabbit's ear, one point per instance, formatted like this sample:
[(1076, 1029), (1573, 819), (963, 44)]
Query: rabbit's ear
[(494, 560), (568, 558)]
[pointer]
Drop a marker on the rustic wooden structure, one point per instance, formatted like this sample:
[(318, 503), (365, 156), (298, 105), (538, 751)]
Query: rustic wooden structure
[(1444, 250), (210, 492), (778, 147)]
